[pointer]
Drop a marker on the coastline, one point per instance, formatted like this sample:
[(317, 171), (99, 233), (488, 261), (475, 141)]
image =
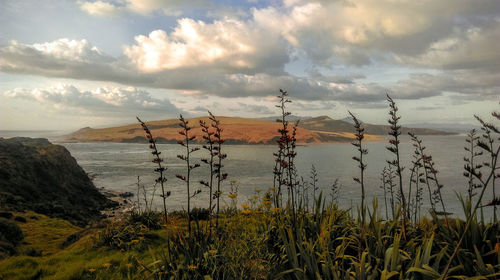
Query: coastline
[(125, 204)]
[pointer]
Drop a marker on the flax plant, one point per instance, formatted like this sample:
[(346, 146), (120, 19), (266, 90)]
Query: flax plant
[(390, 176), (208, 136), (161, 169), (335, 191), (358, 143), (395, 132), (280, 156), (415, 178), (185, 128), (471, 166), (487, 143), (483, 180), (286, 172), (430, 174), (314, 180), (218, 162), (383, 179)]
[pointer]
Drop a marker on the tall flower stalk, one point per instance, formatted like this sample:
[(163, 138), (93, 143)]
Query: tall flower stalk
[(208, 136), (185, 128), (487, 143), (430, 174), (280, 156), (415, 179), (161, 169), (471, 166), (395, 132), (285, 173), (483, 180), (358, 143), (383, 179), (314, 180), (218, 161)]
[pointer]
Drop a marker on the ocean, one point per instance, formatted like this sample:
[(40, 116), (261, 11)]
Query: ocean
[(117, 166)]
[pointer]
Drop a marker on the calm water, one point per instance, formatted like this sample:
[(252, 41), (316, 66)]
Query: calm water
[(117, 166)]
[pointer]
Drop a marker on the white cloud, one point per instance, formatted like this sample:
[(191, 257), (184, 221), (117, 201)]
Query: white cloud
[(62, 49), (226, 44), (354, 32), (105, 101), (142, 7), (100, 8)]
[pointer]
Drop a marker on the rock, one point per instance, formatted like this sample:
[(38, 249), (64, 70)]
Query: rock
[(6, 215), (126, 194), (39, 176), (20, 219)]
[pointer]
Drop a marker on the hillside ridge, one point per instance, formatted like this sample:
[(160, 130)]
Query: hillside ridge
[(237, 130)]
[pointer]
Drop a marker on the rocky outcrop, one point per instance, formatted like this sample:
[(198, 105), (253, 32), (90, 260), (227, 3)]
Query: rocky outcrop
[(45, 178)]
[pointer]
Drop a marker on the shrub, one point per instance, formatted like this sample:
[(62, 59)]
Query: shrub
[(10, 236), (149, 219), (10, 232), (125, 236)]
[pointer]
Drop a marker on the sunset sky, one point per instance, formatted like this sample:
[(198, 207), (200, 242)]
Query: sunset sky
[(70, 64)]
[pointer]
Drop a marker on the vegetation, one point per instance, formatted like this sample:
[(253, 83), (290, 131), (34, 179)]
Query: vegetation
[(289, 240)]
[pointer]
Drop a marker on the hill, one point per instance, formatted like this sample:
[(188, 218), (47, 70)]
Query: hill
[(37, 175), (235, 131), (325, 123), (241, 131)]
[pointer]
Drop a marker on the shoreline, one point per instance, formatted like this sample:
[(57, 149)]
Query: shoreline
[(125, 204)]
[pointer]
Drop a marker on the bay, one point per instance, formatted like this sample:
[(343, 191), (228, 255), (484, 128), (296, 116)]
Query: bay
[(117, 166)]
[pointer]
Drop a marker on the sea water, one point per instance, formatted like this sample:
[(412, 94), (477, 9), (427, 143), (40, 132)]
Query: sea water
[(117, 166)]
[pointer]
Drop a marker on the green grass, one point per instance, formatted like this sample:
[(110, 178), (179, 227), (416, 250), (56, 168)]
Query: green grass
[(257, 245), (43, 233)]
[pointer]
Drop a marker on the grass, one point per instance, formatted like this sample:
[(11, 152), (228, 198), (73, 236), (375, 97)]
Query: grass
[(261, 244), (45, 234)]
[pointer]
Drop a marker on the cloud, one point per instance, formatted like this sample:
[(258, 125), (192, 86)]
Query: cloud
[(231, 57), (468, 83), (464, 49), (141, 7), (224, 45), (62, 49), (252, 108), (100, 8), (112, 101), (77, 59), (214, 76), (81, 60), (357, 32)]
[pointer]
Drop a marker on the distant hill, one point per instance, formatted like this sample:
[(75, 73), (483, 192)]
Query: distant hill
[(325, 123), (452, 128), (240, 131), (292, 118), (236, 131)]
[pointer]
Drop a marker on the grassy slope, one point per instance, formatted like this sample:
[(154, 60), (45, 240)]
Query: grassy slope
[(239, 130), (84, 260), (80, 258)]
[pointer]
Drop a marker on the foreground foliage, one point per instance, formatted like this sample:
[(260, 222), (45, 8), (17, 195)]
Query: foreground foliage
[(259, 244)]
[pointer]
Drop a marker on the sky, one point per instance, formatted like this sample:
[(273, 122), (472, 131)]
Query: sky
[(71, 64)]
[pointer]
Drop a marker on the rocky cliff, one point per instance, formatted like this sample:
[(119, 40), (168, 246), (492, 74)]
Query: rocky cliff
[(45, 178)]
